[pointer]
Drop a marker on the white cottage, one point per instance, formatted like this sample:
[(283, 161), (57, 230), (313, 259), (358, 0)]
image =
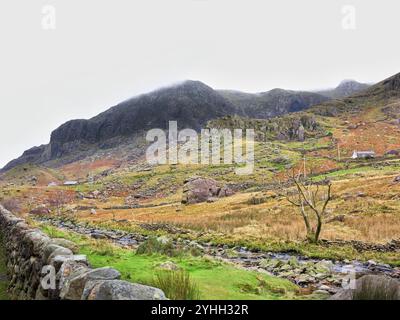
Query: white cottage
[(71, 183), (363, 154)]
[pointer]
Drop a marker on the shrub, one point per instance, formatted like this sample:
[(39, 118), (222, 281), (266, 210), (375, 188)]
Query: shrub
[(177, 285), (256, 200), (102, 248), (12, 205)]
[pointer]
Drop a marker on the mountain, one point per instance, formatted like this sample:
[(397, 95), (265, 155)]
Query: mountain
[(271, 103), (387, 88), (191, 103), (378, 94), (344, 89)]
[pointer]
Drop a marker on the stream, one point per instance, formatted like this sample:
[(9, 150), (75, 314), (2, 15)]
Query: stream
[(323, 276)]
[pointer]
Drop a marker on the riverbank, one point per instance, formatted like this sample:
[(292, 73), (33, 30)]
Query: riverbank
[(314, 275), (215, 280)]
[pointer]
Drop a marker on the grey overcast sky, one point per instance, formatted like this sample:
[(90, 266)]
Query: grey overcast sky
[(102, 52)]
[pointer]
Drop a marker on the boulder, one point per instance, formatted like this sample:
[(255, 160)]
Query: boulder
[(58, 261), (169, 265), (371, 287), (392, 153), (98, 235), (293, 262), (69, 270), (197, 189), (271, 264), (41, 210), (73, 287), (66, 243), (122, 290), (52, 250), (323, 266)]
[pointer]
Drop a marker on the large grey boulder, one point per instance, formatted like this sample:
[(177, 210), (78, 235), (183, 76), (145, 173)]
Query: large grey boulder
[(58, 261), (66, 244), (52, 250), (74, 285), (198, 189), (122, 290), (371, 287)]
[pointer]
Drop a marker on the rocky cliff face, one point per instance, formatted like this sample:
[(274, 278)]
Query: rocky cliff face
[(191, 104), (292, 127), (271, 103)]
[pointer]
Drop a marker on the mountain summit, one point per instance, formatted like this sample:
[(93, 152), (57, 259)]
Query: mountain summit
[(346, 88)]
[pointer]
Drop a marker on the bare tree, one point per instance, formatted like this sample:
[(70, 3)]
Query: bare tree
[(311, 199), (59, 199)]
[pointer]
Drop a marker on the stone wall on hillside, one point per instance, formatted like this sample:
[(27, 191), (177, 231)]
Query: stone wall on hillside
[(41, 268)]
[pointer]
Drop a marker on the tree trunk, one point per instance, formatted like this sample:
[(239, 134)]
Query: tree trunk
[(318, 230)]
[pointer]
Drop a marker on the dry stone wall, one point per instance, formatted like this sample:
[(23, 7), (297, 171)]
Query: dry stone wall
[(41, 268)]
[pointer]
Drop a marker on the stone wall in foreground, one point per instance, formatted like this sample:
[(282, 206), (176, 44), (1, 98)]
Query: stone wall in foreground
[(41, 268)]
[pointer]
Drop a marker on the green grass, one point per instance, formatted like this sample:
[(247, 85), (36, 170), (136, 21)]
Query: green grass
[(215, 280)]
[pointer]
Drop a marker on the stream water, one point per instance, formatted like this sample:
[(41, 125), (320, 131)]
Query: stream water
[(301, 270)]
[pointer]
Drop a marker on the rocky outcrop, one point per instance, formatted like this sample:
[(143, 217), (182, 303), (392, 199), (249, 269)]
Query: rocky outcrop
[(272, 103), (41, 268), (292, 127), (197, 189), (370, 287)]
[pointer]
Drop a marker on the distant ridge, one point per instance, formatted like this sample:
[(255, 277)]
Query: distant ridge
[(192, 104), (272, 103), (345, 89)]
